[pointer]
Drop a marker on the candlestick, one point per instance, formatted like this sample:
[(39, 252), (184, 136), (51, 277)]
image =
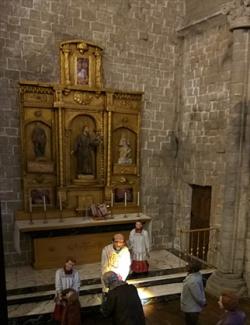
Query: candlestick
[(60, 207), (60, 201), (138, 204), (86, 212), (125, 203), (30, 203), (44, 210), (44, 204), (112, 199), (30, 207)]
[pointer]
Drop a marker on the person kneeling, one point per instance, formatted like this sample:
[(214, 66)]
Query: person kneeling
[(72, 311)]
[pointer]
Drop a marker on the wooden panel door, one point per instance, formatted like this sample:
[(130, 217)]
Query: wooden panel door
[(200, 218)]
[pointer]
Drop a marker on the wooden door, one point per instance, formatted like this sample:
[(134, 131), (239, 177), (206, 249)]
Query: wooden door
[(200, 218)]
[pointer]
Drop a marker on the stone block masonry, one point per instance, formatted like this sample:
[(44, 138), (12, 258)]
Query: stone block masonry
[(140, 49)]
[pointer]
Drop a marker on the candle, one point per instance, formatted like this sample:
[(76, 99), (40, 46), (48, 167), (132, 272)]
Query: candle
[(125, 199), (44, 204), (60, 201), (30, 203), (112, 199), (138, 199)]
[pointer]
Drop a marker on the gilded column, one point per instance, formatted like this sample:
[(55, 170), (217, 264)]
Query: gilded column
[(66, 66), (98, 68), (58, 103), (109, 103)]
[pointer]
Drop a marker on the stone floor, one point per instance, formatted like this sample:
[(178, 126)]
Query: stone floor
[(25, 281), (168, 313), (162, 313), (26, 276)]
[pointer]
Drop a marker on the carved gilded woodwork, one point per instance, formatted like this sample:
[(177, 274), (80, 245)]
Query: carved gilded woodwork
[(81, 64), (80, 142)]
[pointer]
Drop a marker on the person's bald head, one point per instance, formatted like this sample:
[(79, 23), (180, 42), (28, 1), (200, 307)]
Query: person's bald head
[(110, 278), (118, 241)]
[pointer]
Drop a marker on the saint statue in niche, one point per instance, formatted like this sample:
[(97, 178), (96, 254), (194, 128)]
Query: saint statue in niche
[(82, 71), (84, 150), (125, 152), (39, 140)]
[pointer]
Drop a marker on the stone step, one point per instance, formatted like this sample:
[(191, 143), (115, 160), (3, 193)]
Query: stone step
[(149, 289), (88, 286), (92, 287)]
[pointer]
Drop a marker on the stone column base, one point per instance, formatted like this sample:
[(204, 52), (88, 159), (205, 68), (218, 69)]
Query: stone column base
[(220, 281)]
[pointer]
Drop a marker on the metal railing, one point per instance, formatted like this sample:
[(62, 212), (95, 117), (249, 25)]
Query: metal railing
[(201, 243)]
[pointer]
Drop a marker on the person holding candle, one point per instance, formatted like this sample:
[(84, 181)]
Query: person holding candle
[(139, 245)]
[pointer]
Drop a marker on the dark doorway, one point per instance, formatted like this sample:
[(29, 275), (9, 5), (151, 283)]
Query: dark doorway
[(200, 219)]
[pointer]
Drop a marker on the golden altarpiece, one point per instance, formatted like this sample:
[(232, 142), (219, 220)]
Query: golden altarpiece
[(80, 148)]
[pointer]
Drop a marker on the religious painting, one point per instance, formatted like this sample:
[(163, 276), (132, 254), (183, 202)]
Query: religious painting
[(41, 195), (82, 71), (123, 195)]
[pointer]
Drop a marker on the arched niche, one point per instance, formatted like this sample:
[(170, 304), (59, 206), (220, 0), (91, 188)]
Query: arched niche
[(83, 147), (124, 147)]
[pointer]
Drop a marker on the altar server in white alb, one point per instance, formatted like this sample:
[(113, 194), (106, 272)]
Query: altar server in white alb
[(139, 244), (65, 278), (116, 258)]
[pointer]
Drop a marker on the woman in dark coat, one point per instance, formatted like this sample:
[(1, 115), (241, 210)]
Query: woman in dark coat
[(72, 311)]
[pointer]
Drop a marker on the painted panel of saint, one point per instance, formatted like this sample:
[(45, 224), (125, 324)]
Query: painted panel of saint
[(120, 194), (38, 194), (82, 71)]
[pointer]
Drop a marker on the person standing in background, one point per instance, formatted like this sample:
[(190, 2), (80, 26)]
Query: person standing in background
[(139, 245), (193, 295), (229, 301)]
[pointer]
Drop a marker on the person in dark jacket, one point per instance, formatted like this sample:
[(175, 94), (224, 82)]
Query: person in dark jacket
[(122, 302), (72, 311), (229, 301)]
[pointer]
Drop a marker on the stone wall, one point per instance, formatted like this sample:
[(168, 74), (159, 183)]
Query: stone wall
[(198, 9), (140, 53), (203, 117)]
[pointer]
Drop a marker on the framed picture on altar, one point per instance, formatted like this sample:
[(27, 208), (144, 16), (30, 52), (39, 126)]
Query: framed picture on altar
[(82, 71), (38, 195), (119, 195)]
